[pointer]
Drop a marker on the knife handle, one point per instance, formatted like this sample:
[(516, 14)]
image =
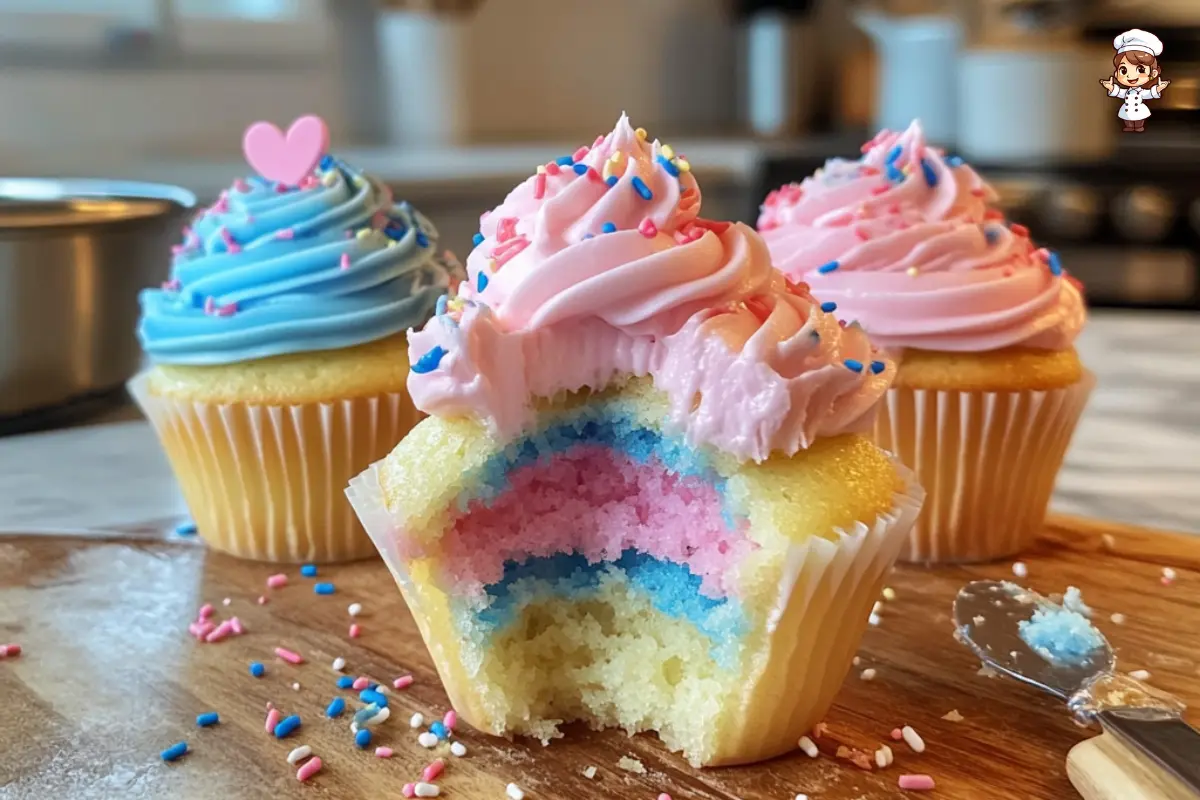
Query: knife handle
[(1105, 768), (1161, 736)]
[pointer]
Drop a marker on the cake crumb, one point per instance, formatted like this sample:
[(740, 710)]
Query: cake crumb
[(987, 672), (1108, 540), (889, 593), (630, 764), (589, 772), (953, 716), (1118, 619), (856, 661), (978, 620), (1140, 674), (1019, 569), (867, 674)]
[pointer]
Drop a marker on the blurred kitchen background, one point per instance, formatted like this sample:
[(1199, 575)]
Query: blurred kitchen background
[(454, 101)]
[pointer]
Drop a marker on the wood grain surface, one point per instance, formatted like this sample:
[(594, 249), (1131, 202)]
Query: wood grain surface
[(109, 677)]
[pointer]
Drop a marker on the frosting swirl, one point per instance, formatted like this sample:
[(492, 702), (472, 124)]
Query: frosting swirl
[(270, 269), (904, 241), (598, 267)]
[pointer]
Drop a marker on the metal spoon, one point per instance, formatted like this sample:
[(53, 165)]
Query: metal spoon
[(987, 615)]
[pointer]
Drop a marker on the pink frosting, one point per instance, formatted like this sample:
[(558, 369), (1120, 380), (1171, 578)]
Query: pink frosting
[(553, 302), (921, 260)]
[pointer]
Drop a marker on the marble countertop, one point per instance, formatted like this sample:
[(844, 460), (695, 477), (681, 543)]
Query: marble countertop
[(1134, 459)]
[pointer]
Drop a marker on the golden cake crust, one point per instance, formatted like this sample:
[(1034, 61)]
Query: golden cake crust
[(1011, 369)]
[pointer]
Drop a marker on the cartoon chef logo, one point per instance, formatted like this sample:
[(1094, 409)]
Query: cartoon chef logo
[(1135, 77)]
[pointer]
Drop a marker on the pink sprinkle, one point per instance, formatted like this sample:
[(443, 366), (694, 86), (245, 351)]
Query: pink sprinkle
[(275, 581), (273, 717), (878, 190), (289, 656), (262, 601), (897, 734), (203, 629), (539, 186), (355, 630), (286, 233), (280, 188), (236, 626), (861, 234), (920, 783), (552, 169), (993, 214), (450, 720), (210, 305), (220, 632), (345, 261), (206, 611), (409, 790), (222, 204), (360, 683), (664, 796), (176, 249), (599, 141), (581, 153), (1042, 253), (309, 182), (594, 176), (241, 185), (230, 242), (1008, 272), (383, 752), (1018, 229), (11, 650), (869, 170), (977, 192), (648, 228), (510, 253), (308, 769), (431, 772), (172, 285), (506, 229), (403, 682), (227, 310)]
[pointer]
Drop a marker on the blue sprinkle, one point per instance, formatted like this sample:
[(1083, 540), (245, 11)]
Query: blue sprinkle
[(186, 529), (611, 180), (955, 161), (309, 570), (669, 166), (257, 669), (580, 169), (438, 729), (442, 301), (878, 367), (335, 707), (1055, 263), (345, 682), (589, 236), (326, 161), (893, 154), (608, 227), (641, 188), (396, 231), (429, 362), (564, 161), (894, 175), (829, 306), (287, 726), (372, 686), (481, 281), (323, 588), (931, 177), (477, 239), (174, 752), (208, 718), (422, 239), (372, 697), (825, 269), (853, 365), (362, 739), (991, 234)]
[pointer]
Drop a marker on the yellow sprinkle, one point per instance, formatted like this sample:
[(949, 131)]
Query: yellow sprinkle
[(641, 133), (392, 243), (541, 170), (615, 157), (492, 267), (329, 178), (607, 171), (912, 272), (363, 233), (668, 151), (684, 166), (358, 182), (907, 169)]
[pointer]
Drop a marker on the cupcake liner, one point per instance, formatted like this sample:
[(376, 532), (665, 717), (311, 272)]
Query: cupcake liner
[(826, 590), (264, 482), (988, 461)]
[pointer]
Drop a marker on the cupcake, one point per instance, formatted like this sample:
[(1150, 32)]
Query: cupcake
[(980, 320), (646, 497), (279, 350)]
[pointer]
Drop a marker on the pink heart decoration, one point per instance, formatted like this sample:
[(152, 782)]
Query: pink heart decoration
[(286, 159)]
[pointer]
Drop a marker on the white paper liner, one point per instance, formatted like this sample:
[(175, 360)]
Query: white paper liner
[(988, 461), (265, 482), (826, 592)]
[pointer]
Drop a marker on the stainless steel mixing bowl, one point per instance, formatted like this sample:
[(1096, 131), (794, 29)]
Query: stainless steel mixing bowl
[(73, 255)]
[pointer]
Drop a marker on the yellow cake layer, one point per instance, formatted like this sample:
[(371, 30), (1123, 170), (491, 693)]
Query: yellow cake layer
[(1012, 369), (366, 370)]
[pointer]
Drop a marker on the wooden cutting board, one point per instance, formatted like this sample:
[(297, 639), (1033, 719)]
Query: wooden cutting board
[(109, 677)]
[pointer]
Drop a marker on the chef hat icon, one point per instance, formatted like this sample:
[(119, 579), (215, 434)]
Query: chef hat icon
[(1138, 39)]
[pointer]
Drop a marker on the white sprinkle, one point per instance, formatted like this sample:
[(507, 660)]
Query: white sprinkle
[(355, 609), (913, 739), (416, 721), (875, 609), (1019, 569), (339, 664), (427, 740), (296, 687), (883, 756), (1118, 619), (589, 772), (1140, 675), (978, 619), (299, 754), (1168, 574), (873, 619), (809, 747), (856, 661), (952, 716), (382, 716), (889, 593), (514, 792), (426, 790), (227, 601), (458, 749), (867, 674), (801, 797), (353, 727)]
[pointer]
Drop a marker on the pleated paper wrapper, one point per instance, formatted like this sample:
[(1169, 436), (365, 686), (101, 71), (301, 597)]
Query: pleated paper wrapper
[(987, 460), (266, 482), (826, 591)]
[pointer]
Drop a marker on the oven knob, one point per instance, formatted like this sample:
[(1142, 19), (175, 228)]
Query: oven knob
[(1071, 212), (1143, 214)]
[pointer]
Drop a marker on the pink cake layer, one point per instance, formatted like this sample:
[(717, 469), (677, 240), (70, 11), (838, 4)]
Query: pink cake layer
[(596, 502)]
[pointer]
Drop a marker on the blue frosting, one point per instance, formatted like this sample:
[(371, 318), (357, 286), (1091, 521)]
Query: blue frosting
[(672, 589), (332, 265)]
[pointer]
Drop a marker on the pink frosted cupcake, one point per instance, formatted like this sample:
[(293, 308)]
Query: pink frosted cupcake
[(981, 321)]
